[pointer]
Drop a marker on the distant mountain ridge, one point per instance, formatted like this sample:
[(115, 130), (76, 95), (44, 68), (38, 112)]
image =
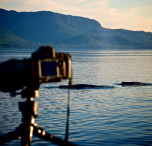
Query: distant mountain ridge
[(31, 29)]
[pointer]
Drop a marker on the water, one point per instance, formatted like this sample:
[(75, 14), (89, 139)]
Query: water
[(118, 116)]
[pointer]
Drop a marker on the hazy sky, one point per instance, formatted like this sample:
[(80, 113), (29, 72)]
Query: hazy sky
[(126, 14)]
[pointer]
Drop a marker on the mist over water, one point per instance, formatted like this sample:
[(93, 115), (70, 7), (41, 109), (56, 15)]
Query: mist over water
[(117, 116)]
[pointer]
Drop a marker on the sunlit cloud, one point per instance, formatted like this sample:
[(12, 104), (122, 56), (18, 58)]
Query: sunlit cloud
[(132, 18)]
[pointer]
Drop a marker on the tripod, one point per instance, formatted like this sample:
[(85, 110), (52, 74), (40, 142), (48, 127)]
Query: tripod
[(29, 127)]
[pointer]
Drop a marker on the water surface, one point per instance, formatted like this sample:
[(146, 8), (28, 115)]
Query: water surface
[(118, 116)]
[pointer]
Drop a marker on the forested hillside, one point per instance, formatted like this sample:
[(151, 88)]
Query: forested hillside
[(31, 29)]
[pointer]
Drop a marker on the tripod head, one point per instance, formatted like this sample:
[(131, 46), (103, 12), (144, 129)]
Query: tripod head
[(27, 93)]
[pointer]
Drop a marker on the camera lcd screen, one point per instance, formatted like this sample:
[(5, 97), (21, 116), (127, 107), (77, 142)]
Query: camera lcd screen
[(48, 69)]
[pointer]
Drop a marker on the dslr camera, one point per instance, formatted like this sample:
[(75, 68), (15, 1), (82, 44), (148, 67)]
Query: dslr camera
[(45, 65)]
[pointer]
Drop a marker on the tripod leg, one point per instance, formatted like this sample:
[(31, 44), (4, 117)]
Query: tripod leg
[(29, 110), (26, 135), (25, 132), (9, 136), (39, 132)]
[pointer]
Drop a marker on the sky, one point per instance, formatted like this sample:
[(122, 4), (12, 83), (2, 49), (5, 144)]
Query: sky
[(114, 14)]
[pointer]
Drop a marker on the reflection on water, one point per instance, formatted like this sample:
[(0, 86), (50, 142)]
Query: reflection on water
[(119, 116)]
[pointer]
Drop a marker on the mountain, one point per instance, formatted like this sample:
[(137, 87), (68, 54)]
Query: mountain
[(31, 29)]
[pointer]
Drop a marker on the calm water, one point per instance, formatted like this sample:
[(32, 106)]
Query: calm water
[(118, 116)]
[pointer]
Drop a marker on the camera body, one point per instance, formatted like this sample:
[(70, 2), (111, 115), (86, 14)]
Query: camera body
[(54, 69), (45, 65)]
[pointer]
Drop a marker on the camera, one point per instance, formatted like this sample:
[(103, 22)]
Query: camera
[(51, 66), (45, 65)]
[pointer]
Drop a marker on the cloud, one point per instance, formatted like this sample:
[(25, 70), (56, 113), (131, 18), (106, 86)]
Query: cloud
[(5, 1), (139, 18), (132, 18)]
